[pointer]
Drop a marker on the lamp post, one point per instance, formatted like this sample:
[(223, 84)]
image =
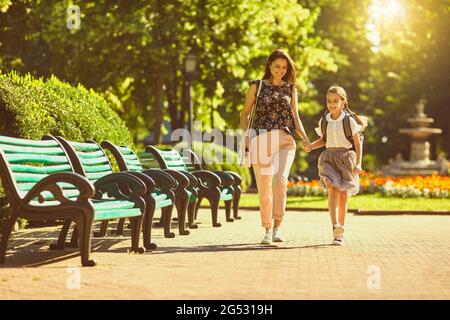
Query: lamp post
[(190, 63)]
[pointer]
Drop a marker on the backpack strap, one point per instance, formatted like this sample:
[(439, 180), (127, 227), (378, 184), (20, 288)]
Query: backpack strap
[(323, 128), (347, 128)]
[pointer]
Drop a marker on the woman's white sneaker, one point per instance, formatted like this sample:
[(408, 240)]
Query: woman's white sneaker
[(277, 237), (267, 238)]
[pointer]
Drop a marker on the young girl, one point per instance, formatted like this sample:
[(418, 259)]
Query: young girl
[(340, 164)]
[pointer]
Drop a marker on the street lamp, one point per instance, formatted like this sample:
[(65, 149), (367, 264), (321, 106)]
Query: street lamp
[(190, 63)]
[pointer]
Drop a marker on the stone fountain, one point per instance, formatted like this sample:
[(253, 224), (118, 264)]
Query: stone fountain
[(419, 163)]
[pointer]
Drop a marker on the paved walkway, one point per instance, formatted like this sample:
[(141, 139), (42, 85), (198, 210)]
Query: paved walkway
[(386, 257)]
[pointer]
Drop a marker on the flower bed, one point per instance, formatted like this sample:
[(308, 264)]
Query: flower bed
[(434, 186)]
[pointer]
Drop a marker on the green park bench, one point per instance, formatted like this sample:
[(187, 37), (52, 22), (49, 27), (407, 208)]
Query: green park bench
[(40, 184), (184, 190), (158, 185), (210, 185), (193, 163)]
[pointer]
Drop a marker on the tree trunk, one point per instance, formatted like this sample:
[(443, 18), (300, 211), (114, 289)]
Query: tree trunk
[(159, 110), (172, 98)]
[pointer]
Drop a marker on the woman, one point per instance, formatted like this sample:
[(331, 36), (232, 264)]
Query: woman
[(272, 146)]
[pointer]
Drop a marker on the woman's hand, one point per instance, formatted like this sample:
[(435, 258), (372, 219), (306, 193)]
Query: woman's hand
[(306, 145), (357, 169)]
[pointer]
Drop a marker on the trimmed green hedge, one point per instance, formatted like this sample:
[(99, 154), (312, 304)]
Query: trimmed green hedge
[(31, 108)]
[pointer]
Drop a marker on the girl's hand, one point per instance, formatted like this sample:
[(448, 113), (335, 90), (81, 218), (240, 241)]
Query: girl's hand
[(307, 146), (357, 169)]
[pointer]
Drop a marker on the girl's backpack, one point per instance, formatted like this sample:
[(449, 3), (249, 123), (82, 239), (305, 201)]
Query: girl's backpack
[(347, 129)]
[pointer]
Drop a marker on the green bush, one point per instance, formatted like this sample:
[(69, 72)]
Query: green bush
[(31, 108), (213, 158)]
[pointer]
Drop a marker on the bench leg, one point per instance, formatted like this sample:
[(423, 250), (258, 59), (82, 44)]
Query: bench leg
[(148, 221), (103, 229), (236, 198), (214, 198), (197, 206), (7, 230), (166, 216), (74, 239), (228, 211), (136, 227), (84, 227), (191, 215), (181, 204), (119, 230), (61, 244)]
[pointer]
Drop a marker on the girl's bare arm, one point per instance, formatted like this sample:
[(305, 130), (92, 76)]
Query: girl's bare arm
[(358, 149), (316, 144)]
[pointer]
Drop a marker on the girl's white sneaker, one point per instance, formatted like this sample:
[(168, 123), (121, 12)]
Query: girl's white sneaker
[(338, 230), (339, 241)]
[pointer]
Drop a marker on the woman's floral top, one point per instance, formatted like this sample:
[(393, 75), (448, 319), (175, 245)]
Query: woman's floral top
[(273, 109)]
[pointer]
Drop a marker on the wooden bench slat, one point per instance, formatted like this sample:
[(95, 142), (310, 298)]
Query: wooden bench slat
[(174, 163), (130, 156), (26, 142), (178, 168), (82, 146), (133, 162), (27, 186), (46, 159), (168, 152), (44, 169), (100, 168), (31, 150), (28, 177), (98, 175), (90, 162), (89, 155), (125, 150), (173, 157)]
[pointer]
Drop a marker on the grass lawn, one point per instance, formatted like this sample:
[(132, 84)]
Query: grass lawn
[(361, 202)]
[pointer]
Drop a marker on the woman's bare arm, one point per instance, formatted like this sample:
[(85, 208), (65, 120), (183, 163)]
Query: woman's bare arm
[(299, 129), (248, 105)]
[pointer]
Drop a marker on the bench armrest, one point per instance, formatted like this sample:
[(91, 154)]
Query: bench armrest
[(225, 178), (150, 184), (207, 179), (113, 184), (49, 184), (163, 181), (181, 179), (193, 181), (237, 178)]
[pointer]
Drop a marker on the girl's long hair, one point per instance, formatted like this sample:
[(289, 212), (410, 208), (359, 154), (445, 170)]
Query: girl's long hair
[(290, 76), (361, 120)]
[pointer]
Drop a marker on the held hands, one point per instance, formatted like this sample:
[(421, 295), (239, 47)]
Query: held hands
[(357, 169), (306, 145)]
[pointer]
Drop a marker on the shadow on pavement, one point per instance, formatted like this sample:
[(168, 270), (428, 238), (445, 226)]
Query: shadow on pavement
[(234, 247)]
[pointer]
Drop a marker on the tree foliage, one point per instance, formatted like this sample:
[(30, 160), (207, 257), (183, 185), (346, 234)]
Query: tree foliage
[(132, 52)]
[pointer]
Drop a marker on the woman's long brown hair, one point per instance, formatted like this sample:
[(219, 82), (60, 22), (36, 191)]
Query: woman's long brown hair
[(290, 76)]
